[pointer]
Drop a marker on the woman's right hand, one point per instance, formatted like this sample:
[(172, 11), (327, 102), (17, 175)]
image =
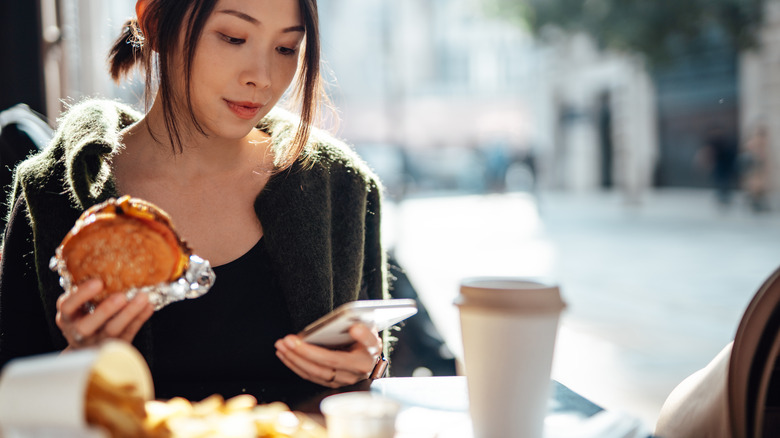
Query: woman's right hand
[(114, 318)]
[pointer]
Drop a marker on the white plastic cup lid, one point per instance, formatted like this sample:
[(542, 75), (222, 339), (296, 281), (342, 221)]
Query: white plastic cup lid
[(510, 294)]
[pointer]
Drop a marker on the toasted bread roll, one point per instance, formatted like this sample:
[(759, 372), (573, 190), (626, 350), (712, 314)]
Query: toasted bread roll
[(127, 243)]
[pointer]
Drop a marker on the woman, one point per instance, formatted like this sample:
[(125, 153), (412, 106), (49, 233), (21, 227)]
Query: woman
[(288, 216)]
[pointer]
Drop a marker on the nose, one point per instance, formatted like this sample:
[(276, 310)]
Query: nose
[(257, 72)]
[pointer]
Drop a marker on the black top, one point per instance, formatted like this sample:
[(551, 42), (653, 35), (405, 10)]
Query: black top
[(222, 342)]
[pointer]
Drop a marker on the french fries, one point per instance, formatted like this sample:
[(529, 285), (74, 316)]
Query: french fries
[(124, 415), (118, 409)]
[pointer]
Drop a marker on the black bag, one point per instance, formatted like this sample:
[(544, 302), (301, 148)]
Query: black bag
[(419, 344)]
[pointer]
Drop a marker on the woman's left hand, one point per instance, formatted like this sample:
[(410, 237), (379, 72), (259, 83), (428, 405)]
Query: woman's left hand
[(332, 368)]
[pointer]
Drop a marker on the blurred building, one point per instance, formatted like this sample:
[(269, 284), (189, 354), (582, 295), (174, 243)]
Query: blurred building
[(436, 73), (452, 90), (604, 106)]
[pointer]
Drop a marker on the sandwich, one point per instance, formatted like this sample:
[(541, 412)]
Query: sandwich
[(128, 243)]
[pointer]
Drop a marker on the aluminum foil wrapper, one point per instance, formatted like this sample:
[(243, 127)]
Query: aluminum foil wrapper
[(196, 280)]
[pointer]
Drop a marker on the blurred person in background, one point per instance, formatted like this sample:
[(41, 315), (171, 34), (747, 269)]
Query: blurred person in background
[(287, 215), (754, 159), (719, 155)]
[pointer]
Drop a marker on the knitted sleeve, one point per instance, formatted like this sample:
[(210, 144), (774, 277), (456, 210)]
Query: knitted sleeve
[(375, 261), (375, 283), (24, 329)]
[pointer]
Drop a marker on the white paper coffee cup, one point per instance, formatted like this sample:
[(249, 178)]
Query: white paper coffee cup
[(508, 326), (48, 391)]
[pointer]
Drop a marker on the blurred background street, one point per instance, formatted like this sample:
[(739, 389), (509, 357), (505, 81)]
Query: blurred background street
[(654, 290)]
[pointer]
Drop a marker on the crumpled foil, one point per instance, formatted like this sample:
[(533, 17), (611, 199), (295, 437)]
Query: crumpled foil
[(196, 280)]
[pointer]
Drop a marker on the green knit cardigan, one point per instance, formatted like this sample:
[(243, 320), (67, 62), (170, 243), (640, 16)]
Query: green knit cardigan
[(321, 222)]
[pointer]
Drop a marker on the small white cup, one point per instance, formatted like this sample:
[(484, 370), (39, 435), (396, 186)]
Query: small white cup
[(509, 326), (360, 414)]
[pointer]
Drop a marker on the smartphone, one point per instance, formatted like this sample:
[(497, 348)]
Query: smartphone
[(332, 330)]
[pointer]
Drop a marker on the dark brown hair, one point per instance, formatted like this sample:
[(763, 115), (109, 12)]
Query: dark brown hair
[(155, 51)]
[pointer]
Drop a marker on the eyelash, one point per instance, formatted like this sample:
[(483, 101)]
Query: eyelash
[(230, 40), (285, 51)]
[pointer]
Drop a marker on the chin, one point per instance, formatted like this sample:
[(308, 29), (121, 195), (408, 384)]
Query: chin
[(230, 129)]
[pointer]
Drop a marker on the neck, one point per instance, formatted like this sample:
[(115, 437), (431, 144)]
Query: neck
[(148, 142)]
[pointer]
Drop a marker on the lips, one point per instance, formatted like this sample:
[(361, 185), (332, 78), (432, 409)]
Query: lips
[(244, 110)]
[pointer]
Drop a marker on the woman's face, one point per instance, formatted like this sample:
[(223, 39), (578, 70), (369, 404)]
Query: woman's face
[(245, 60)]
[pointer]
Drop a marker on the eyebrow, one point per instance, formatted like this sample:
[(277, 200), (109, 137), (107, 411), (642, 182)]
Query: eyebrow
[(255, 21)]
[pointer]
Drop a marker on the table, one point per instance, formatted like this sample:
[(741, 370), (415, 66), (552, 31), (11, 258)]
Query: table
[(438, 407)]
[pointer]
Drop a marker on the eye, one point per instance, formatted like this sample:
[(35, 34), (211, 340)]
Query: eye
[(285, 51), (231, 40)]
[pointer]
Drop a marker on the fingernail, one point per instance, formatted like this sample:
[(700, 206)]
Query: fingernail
[(292, 342), (373, 351)]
